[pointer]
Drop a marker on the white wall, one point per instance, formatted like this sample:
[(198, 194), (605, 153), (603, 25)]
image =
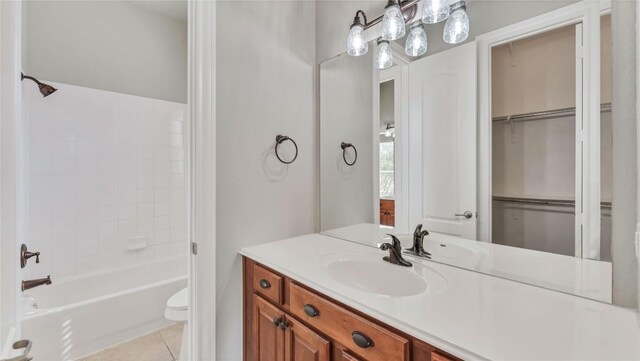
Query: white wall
[(346, 115), (82, 43), (335, 17), (103, 169), (266, 86)]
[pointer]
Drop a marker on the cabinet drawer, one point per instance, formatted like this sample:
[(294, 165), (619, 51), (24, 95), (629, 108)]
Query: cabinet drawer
[(345, 356), (363, 338), (267, 284), (435, 356)]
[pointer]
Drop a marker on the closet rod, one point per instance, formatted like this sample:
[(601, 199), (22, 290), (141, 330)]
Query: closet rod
[(545, 201), (546, 114)]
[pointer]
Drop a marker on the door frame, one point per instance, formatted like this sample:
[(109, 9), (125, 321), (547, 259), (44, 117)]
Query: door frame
[(588, 13), (202, 168), (399, 72), (202, 185), (10, 113)]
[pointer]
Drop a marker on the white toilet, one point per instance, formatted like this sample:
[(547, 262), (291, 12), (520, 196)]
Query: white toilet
[(178, 310)]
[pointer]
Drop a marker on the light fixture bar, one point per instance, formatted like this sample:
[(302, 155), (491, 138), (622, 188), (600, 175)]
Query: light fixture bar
[(404, 5)]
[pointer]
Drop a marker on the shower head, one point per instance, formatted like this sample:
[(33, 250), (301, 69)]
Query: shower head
[(45, 89)]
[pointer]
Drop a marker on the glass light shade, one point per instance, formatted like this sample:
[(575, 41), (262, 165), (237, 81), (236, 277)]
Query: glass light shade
[(392, 23), (416, 44), (357, 43), (435, 11), (456, 30), (384, 56)]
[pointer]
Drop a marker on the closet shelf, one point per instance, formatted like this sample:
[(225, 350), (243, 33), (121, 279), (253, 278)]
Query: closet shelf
[(545, 201), (546, 114)]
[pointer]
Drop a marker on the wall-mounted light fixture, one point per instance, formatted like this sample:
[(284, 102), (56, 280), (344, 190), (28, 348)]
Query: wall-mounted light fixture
[(384, 56), (392, 21), (45, 89), (416, 43), (456, 29), (397, 14)]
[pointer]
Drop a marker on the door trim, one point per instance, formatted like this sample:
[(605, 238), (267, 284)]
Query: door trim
[(201, 100), (400, 74), (10, 182), (202, 186), (587, 12)]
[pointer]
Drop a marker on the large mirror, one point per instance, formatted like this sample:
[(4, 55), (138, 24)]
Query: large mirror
[(500, 147)]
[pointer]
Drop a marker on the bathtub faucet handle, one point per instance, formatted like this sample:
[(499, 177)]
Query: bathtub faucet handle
[(25, 255), (29, 255)]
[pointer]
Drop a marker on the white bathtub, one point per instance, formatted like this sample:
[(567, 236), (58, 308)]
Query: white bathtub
[(77, 316)]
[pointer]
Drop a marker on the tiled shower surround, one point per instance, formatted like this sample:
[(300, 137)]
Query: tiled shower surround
[(105, 179)]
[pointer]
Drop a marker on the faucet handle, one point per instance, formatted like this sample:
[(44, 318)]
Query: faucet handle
[(417, 231), (395, 242), (418, 244), (25, 255)]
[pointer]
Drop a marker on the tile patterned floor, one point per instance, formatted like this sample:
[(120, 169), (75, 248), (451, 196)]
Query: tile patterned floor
[(162, 345)]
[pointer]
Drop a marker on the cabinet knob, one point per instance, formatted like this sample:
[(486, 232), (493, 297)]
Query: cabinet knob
[(265, 284), (277, 321), (283, 325), (361, 339), (311, 311)]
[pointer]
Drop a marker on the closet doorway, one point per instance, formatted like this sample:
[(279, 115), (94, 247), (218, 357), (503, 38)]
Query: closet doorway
[(539, 182)]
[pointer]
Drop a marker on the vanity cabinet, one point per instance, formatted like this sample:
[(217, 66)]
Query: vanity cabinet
[(281, 338), (286, 321), (268, 337), (387, 212)]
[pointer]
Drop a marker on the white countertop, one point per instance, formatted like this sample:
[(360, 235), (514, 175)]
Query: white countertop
[(574, 275), (475, 316)]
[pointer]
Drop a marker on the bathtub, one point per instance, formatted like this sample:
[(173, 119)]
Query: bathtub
[(77, 316)]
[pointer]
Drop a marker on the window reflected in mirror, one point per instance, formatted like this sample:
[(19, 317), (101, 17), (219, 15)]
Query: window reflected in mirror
[(386, 152)]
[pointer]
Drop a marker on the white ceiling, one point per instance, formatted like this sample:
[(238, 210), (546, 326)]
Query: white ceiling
[(176, 9)]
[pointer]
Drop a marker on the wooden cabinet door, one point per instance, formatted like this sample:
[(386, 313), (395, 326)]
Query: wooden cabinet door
[(302, 344), (268, 337)]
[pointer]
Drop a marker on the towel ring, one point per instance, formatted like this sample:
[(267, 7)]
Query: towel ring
[(344, 147), (279, 140)]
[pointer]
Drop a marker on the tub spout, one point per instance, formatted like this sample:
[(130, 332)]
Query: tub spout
[(28, 284)]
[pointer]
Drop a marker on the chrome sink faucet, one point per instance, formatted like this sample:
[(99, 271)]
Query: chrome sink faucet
[(418, 243), (395, 252)]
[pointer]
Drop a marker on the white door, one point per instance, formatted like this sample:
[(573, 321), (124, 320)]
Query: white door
[(442, 131)]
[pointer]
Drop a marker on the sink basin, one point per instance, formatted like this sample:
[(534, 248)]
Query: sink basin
[(443, 249), (369, 273)]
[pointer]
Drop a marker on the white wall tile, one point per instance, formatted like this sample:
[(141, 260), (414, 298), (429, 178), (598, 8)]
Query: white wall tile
[(145, 181), (40, 240), (163, 250), (100, 171), (144, 196), (162, 236), (87, 264), (64, 241), (108, 213), (161, 223)]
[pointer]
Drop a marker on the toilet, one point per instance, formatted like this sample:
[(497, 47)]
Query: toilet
[(178, 310)]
